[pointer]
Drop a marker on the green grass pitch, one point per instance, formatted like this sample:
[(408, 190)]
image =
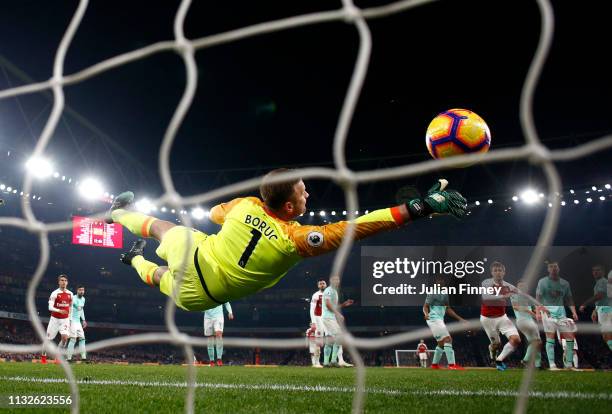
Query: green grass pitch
[(160, 389)]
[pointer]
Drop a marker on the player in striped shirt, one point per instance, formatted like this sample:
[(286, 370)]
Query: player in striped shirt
[(259, 240), (78, 325), (602, 298), (434, 309), (526, 322), (555, 293), (213, 330)]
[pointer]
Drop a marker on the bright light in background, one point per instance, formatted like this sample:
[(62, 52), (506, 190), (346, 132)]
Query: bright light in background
[(607, 186), (333, 213), (198, 213), (163, 209), (39, 167), (55, 174), (344, 212), (594, 188), (477, 203), (91, 189), (322, 213), (490, 201), (563, 203), (529, 196), (572, 191), (311, 213), (576, 202), (144, 206), (514, 198), (2, 186), (589, 200), (602, 198)]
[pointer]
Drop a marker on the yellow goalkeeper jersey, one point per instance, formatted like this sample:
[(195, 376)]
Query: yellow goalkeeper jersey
[(254, 249)]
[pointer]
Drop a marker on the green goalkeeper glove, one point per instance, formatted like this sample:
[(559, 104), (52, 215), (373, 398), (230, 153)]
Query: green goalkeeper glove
[(438, 201)]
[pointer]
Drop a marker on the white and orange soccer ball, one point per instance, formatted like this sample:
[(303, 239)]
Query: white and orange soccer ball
[(457, 132)]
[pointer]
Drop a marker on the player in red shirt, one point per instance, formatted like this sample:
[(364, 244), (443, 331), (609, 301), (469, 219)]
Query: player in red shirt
[(422, 353), (60, 305), (316, 303), (494, 319)]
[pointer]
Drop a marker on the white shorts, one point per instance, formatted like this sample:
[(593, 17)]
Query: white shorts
[(438, 329), (422, 355), (494, 326), (212, 325), (529, 328), (318, 321), (563, 325), (331, 327), (605, 321), (58, 325), (76, 330), (312, 346)]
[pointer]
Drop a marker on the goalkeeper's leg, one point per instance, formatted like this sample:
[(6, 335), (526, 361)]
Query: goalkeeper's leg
[(142, 225), (150, 273)]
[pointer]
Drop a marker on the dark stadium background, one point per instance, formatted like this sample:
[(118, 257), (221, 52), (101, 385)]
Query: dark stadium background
[(274, 100)]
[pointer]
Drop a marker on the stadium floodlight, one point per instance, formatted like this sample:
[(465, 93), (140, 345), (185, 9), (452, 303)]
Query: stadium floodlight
[(607, 186), (322, 213), (311, 213), (198, 213), (91, 189), (344, 212), (173, 211), (2, 186), (333, 213), (477, 203), (549, 204), (490, 201), (163, 209), (144, 206), (529, 196), (563, 203), (357, 212), (63, 178), (576, 202), (602, 198), (9, 189), (589, 200), (39, 167), (367, 211), (594, 188), (55, 174), (515, 198), (14, 191)]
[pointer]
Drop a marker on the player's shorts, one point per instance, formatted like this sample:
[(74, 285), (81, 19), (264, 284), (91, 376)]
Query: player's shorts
[(318, 321), (212, 325), (605, 321), (312, 346), (563, 325), (58, 325), (176, 249), (494, 326), (422, 355), (438, 329), (76, 330), (529, 328), (331, 327)]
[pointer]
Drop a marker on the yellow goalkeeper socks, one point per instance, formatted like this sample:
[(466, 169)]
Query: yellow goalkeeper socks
[(145, 269), (137, 223)]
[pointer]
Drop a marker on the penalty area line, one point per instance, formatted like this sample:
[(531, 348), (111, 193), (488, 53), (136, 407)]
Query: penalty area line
[(560, 395)]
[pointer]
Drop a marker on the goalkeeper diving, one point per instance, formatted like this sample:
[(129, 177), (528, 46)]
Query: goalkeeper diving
[(259, 240)]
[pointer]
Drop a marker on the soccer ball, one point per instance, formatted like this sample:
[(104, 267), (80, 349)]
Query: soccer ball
[(457, 132)]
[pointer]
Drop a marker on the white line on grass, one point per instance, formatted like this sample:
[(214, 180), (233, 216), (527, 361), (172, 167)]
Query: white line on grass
[(323, 388)]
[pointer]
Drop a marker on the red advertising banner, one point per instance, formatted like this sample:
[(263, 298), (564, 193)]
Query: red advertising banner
[(97, 233)]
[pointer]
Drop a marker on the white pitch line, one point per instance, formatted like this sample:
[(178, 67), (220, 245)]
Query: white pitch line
[(324, 388)]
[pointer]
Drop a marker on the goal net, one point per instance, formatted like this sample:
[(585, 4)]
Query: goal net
[(359, 18)]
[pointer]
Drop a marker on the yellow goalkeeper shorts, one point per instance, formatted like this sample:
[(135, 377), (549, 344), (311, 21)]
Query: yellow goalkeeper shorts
[(178, 247)]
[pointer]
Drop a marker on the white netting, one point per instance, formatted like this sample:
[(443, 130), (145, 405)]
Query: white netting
[(533, 150)]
